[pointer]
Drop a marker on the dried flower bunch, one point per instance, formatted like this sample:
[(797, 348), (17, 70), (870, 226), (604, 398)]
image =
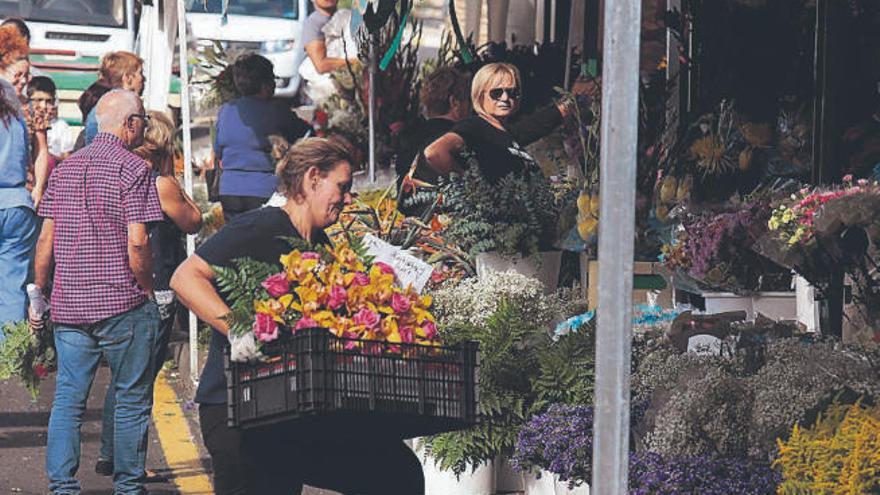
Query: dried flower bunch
[(839, 454)]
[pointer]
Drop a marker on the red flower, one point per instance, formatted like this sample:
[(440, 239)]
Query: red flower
[(40, 371)]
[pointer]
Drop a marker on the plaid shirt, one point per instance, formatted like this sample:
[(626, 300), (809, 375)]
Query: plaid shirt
[(92, 197)]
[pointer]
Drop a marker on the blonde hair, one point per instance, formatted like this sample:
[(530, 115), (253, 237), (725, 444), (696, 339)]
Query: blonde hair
[(485, 77), (158, 147), (115, 65), (293, 162)]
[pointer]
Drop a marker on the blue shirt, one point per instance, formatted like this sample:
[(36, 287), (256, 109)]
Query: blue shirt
[(242, 144), (14, 163), (91, 125)]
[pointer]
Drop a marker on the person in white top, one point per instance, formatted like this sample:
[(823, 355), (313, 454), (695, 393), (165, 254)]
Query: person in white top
[(42, 96)]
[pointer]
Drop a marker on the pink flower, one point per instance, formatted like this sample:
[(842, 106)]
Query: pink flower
[(400, 303), (337, 297), (310, 255), (430, 330), (276, 285), (361, 278), (406, 335), (367, 318), (848, 178), (349, 344), (862, 182), (384, 267), (265, 328), (305, 322)]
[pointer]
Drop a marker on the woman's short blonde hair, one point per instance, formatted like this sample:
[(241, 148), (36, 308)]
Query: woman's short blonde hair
[(115, 65), (293, 163), (158, 147), (484, 78)]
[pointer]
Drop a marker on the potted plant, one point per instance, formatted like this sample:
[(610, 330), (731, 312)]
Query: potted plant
[(508, 225)]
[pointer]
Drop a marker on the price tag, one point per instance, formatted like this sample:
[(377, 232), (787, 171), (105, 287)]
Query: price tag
[(410, 270)]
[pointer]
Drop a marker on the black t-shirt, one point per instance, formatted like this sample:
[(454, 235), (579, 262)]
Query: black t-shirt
[(414, 140), (259, 234), (501, 152)]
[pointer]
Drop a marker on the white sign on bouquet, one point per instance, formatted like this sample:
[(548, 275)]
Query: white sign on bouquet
[(409, 269)]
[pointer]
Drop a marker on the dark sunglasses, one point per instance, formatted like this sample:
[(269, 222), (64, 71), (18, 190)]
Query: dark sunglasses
[(512, 93), (144, 116)]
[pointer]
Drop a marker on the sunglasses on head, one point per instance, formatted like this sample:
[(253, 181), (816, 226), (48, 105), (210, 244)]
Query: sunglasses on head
[(495, 93)]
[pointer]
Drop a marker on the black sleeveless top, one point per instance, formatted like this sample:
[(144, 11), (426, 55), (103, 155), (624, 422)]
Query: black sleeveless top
[(169, 249)]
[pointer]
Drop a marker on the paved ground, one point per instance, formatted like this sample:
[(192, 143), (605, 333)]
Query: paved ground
[(176, 452)]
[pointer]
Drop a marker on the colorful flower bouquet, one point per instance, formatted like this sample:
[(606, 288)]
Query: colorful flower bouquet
[(713, 250), (337, 288)]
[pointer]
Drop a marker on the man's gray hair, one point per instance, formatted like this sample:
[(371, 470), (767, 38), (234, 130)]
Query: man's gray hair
[(115, 107)]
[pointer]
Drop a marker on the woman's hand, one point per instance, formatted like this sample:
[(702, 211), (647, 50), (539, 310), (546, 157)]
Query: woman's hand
[(590, 87)]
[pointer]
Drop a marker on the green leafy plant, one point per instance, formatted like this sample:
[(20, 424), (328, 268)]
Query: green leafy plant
[(518, 215), (26, 355), (241, 285), (510, 346)]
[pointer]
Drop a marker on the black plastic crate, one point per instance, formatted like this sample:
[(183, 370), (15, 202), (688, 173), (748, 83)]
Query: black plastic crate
[(314, 376)]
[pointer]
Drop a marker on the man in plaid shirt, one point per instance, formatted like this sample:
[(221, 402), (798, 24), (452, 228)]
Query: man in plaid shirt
[(96, 209)]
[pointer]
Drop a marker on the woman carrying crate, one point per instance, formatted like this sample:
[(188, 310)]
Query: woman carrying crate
[(315, 177)]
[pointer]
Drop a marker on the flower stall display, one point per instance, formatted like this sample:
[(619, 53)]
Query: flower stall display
[(26, 355), (339, 289), (376, 213), (712, 250), (816, 231), (522, 370)]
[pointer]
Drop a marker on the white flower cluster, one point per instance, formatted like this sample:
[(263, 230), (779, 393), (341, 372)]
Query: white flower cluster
[(473, 300)]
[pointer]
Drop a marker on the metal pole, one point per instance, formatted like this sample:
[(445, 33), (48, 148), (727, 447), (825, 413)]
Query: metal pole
[(616, 229), (552, 21), (372, 107), (187, 172)]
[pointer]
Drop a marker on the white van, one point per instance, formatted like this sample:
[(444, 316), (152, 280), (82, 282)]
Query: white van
[(269, 27), (84, 28)]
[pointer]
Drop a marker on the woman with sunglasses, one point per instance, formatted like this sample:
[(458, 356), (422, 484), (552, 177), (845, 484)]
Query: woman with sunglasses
[(497, 142)]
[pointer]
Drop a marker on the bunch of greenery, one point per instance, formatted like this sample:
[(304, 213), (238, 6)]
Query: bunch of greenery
[(26, 355), (522, 370), (509, 359), (518, 215)]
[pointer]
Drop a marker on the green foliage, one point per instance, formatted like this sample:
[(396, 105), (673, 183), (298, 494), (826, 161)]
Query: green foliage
[(510, 347), (26, 355), (241, 285), (566, 369), (518, 215)]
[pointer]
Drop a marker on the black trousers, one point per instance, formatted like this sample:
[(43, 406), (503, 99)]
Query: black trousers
[(279, 460), (236, 205)]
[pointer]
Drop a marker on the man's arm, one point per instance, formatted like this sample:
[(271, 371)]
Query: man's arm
[(44, 258), (317, 52), (140, 256)]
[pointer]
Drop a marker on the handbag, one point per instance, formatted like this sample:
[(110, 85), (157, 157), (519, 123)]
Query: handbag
[(212, 177)]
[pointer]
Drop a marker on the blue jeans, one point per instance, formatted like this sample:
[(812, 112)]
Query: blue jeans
[(18, 233), (167, 313), (127, 341)]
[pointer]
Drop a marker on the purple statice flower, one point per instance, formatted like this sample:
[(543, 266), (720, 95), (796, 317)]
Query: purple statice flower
[(652, 474), (560, 441)]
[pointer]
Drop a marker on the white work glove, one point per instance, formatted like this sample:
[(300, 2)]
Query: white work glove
[(243, 349), (38, 308)]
